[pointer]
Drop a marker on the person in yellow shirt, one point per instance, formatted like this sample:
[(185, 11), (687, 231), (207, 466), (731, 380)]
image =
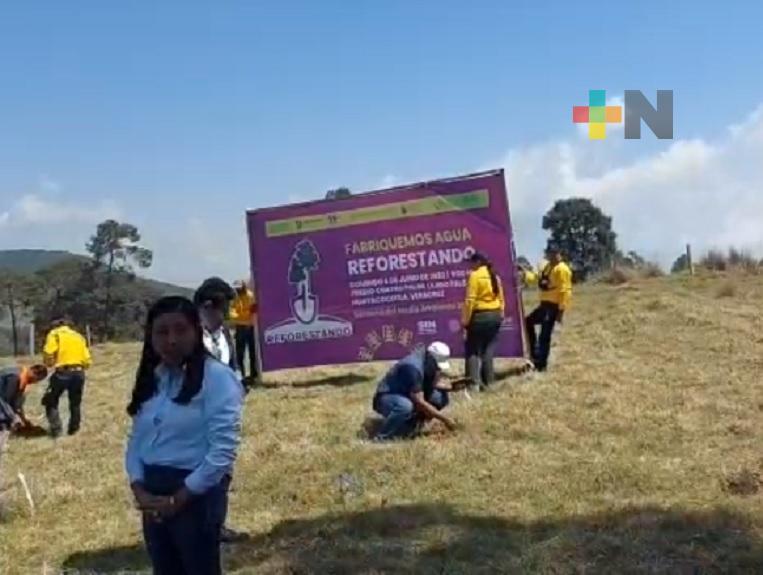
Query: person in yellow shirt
[(526, 275), (65, 351), (242, 313), (481, 318), (555, 284)]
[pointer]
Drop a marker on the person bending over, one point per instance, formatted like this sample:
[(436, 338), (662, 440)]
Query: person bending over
[(13, 384), (411, 393)]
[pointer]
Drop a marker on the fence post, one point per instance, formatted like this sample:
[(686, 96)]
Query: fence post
[(88, 335), (689, 262), (31, 339)]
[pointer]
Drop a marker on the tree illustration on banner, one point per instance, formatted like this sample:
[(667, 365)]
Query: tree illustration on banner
[(304, 262)]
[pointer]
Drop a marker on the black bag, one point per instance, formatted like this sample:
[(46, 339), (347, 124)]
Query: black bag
[(544, 282)]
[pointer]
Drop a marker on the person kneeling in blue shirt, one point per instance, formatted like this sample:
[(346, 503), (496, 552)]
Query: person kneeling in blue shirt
[(186, 409), (411, 393)]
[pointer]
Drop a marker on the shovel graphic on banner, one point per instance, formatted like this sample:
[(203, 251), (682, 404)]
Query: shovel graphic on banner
[(305, 304)]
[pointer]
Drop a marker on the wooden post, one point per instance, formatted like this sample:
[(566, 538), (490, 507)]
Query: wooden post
[(257, 349), (88, 336), (31, 339), (689, 262), (14, 327)]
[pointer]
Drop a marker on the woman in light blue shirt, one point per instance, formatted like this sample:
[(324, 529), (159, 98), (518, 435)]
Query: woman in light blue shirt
[(186, 409)]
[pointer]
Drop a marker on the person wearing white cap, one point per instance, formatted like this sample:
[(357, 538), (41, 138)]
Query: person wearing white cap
[(411, 393)]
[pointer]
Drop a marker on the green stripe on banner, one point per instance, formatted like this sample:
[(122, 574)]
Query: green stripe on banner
[(430, 206)]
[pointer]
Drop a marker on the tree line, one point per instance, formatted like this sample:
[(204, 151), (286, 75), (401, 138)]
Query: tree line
[(101, 291)]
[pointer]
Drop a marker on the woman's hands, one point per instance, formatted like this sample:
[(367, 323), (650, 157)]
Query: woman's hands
[(160, 507)]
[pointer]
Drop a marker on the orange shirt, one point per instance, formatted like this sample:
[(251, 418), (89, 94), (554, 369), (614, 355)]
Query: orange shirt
[(25, 374)]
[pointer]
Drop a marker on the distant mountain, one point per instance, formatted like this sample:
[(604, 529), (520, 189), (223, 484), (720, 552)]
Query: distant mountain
[(30, 261), (66, 283)]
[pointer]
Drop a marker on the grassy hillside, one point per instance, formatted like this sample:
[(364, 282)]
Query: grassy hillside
[(53, 284), (30, 261), (639, 452)]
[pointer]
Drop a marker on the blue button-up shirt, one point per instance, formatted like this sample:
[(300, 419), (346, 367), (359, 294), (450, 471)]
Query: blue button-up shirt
[(201, 437)]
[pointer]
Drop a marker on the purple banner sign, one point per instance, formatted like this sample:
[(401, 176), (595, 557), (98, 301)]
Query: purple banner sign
[(372, 276)]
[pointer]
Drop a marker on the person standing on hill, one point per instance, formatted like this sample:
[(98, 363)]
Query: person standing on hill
[(242, 314), (186, 428), (65, 351), (555, 285), (212, 300), (481, 318)]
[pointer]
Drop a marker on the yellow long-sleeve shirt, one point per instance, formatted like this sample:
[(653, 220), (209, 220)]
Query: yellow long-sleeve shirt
[(560, 284), (64, 347), (480, 296), (242, 309)]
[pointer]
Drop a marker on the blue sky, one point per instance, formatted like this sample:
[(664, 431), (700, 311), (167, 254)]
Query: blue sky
[(178, 116)]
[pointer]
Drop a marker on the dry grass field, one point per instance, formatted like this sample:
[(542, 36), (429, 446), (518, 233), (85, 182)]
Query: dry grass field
[(640, 451)]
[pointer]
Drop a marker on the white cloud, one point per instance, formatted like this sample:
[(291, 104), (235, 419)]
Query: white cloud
[(50, 186), (709, 193), (196, 249), (49, 206), (388, 181), (39, 209), (299, 199), (208, 244), (48, 219)]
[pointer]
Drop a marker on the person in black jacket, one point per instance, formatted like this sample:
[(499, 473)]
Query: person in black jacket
[(213, 300)]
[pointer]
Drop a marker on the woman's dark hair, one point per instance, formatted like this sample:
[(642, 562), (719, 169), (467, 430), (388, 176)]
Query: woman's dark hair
[(482, 260), (145, 378)]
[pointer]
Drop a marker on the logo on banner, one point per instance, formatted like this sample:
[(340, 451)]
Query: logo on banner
[(306, 322), (389, 336), (427, 327)]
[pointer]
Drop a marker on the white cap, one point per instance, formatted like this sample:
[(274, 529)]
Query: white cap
[(440, 352)]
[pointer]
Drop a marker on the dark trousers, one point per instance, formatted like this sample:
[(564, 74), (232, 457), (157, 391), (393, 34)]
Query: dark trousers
[(73, 383), (481, 340), (244, 343), (189, 542), (540, 348)]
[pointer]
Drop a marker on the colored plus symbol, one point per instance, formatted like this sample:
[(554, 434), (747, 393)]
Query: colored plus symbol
[(597, 114)]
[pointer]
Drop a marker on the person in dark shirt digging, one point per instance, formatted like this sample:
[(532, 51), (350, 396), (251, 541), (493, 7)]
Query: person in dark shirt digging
[(411, 393)]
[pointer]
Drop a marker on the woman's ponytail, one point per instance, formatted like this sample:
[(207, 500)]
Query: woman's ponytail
[(481, 259), (493, 278)]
